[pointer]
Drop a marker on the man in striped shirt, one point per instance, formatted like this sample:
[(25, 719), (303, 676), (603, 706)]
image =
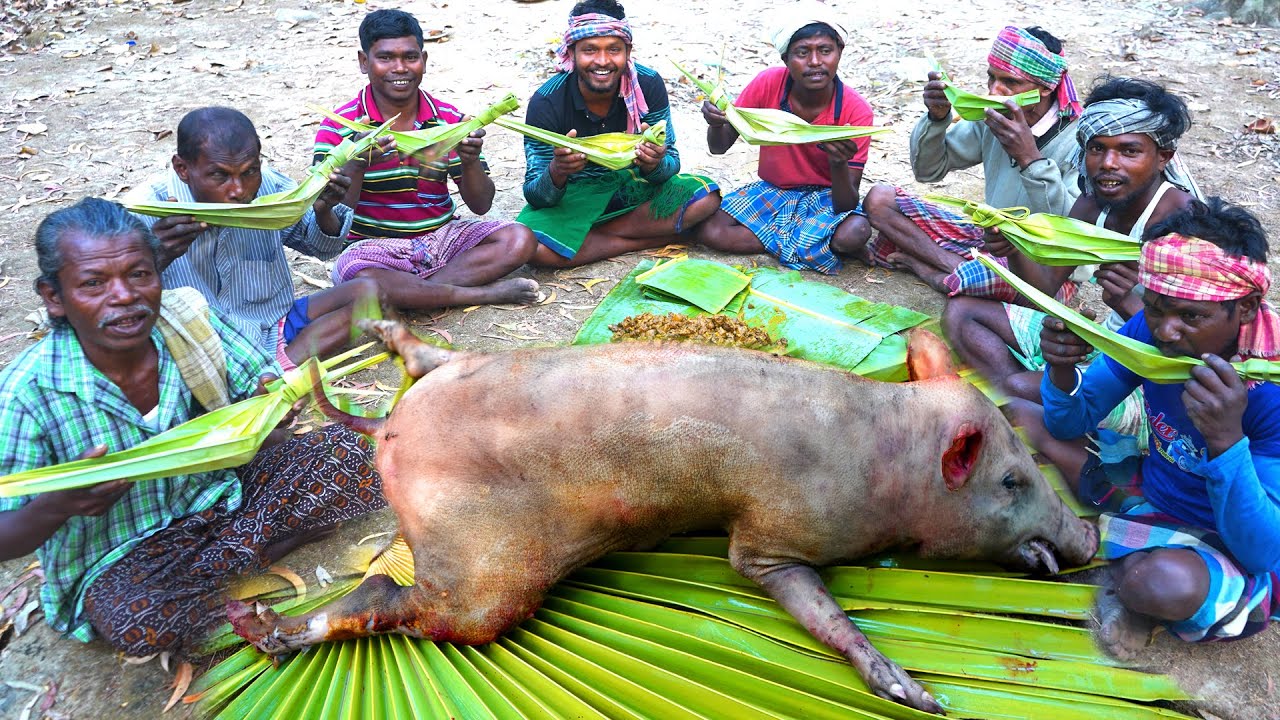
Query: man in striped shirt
[(405, 232), (244, 273)]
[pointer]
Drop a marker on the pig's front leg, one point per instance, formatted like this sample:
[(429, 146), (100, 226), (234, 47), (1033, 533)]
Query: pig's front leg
[(799, 590)]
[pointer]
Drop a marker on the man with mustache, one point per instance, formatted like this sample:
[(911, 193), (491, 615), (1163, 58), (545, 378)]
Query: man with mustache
[(1128, 137), (582, 212), (804, 209), (142, 564), (1026, 155), (1195, 523)]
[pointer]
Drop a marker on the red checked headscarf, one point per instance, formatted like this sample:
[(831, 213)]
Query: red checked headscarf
[(589, 25), (1020, 53), (1193, 269)]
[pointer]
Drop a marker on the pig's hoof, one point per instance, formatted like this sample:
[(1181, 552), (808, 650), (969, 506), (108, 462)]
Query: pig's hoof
[(384, 330), (891, 682), (1121, 633), (258, 627)]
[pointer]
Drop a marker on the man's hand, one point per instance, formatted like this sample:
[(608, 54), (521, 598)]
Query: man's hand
[(839, 152), (1062, 351), (1117, 281), (714, 116), (91, 501), (383, 150), (995, 243), (1013, 134), (176, 233), (566, 162), (649, 155), (333, 193), (1216, 399), (469, 148), (935, 98)]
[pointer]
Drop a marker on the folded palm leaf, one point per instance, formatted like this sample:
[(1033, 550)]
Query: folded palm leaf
[(614, 150), (1139, 357), (438, 140), (770, 126), (970, 106)]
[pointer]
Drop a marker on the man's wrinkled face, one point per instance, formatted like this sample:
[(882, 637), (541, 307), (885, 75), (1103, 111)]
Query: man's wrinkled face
[(1006, 84), (394, 67), (223, 175), (813, 62), (1196, 327), (599, 63), (1123, 168), (109, 291)]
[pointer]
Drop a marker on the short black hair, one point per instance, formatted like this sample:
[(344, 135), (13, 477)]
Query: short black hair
[(814, 29), (90, 216), (384, 24), (1177, 119), (1053, 44), (1230, 227), (221, 127), (612, 8)]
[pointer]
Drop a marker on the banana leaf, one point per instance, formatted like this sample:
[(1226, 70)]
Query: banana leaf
[(972, 107), (276, 211), (819, 322), (227, 437), (440, 139), (707, 285), (771, 126), (1139, 357), (1049, 239), (614, 150)]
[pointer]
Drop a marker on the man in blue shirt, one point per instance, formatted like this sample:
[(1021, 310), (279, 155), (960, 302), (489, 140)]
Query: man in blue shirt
[(1197, 528)]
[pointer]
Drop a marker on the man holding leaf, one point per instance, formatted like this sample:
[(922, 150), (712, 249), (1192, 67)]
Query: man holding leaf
[(143, 563), (1195, 523), (1027, 156), (584, 212)]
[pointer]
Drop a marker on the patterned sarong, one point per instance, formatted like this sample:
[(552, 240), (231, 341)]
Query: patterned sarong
[(563, 227), (166, 594), (794, 224), (423, 255)]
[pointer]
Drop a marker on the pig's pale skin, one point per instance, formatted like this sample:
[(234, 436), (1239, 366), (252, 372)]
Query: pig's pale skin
[(509, 471)]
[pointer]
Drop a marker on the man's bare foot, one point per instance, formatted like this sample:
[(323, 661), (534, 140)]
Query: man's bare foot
[(514, 291), (1121, 632), (926, 272), (277, 550)]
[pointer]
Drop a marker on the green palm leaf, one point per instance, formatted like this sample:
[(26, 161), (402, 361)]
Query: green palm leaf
[(615, 150), (973, 107), (439, 139)]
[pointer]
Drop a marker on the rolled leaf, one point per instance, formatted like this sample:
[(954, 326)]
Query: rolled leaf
[(1049, 239), (611, 150), (439, 139), (770, 126), (1139, 357), (973, 107)]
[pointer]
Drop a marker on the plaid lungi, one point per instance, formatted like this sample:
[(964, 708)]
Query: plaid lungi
[(794, 224), (423, 255)]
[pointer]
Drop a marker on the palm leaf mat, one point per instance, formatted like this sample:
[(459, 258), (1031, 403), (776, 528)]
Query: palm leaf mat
[(677, 633)]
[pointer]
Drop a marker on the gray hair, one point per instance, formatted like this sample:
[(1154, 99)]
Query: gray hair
[(90, 216)]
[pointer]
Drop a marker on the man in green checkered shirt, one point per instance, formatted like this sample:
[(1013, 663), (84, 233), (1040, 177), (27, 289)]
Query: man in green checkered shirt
[(143, 564)]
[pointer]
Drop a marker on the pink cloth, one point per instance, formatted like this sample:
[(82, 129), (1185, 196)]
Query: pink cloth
[(422, 256), (791, 166)]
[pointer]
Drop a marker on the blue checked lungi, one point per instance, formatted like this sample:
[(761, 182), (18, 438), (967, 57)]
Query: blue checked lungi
[(795, 224)]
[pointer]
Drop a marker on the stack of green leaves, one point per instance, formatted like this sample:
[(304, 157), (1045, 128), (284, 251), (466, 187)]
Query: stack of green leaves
[(771, 126), (615, 150), (1141, 358), (1049, 239), (433, 142), (269, 212), (707, 285), (973, 107), (227, 437)]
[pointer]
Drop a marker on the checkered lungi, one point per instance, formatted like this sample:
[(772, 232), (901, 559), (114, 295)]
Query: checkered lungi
[(794, 224), (423, 255)]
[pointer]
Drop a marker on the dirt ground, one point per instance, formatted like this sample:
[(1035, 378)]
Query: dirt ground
[(92, 90)]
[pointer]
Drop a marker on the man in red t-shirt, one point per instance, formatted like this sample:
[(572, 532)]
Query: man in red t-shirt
[(804, 209)]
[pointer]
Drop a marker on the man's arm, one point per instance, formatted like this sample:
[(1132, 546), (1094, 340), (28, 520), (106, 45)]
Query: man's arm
[(720, 134), (474, 184), (937, 146), (658, 165), (322, 231), (24, 530), (1050, 179), (1074, 401), (542, 187)]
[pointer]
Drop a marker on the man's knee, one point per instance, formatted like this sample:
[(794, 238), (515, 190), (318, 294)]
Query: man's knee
[(517, 241), (851, 235), (1170, 584), (701, 211), (880, 199), (957, 315)]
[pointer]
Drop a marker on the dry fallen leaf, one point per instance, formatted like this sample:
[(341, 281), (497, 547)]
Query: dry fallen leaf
[(1262, 126), (548, 299), (588, 284), (181, 682), (211, 44), (34, 128), (298, 584), (441, 332)]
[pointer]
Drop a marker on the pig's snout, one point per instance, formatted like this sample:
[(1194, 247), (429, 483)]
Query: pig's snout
[(1042, 557)]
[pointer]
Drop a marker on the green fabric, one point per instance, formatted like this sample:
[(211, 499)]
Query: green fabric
[(587, 203)]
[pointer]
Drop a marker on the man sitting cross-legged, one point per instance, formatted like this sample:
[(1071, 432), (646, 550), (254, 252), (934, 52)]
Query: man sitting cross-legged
[(244, 273), (583, 212), (1128, 137), (142, 563), (1194, 525), (1027, 157), (804, 209), (404, 231)]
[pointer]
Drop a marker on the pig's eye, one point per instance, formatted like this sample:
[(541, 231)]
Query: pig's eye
[(1010, 482)]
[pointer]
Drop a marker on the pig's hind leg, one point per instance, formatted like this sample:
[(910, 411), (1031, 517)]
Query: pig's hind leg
[(419, 357), (799, 590)]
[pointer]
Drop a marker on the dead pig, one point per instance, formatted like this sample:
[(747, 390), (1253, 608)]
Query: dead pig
[(508, 471)]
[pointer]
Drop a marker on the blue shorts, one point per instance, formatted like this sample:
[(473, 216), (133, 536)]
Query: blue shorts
[(296, 319)]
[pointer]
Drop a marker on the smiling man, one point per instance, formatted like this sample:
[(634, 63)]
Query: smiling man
[(580, 212), (1197, 534), (804, 210), (142, 563), (1027, 156), (405, 232)]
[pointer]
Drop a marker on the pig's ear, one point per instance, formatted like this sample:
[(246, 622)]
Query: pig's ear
[(927, 356), (959, 459)]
